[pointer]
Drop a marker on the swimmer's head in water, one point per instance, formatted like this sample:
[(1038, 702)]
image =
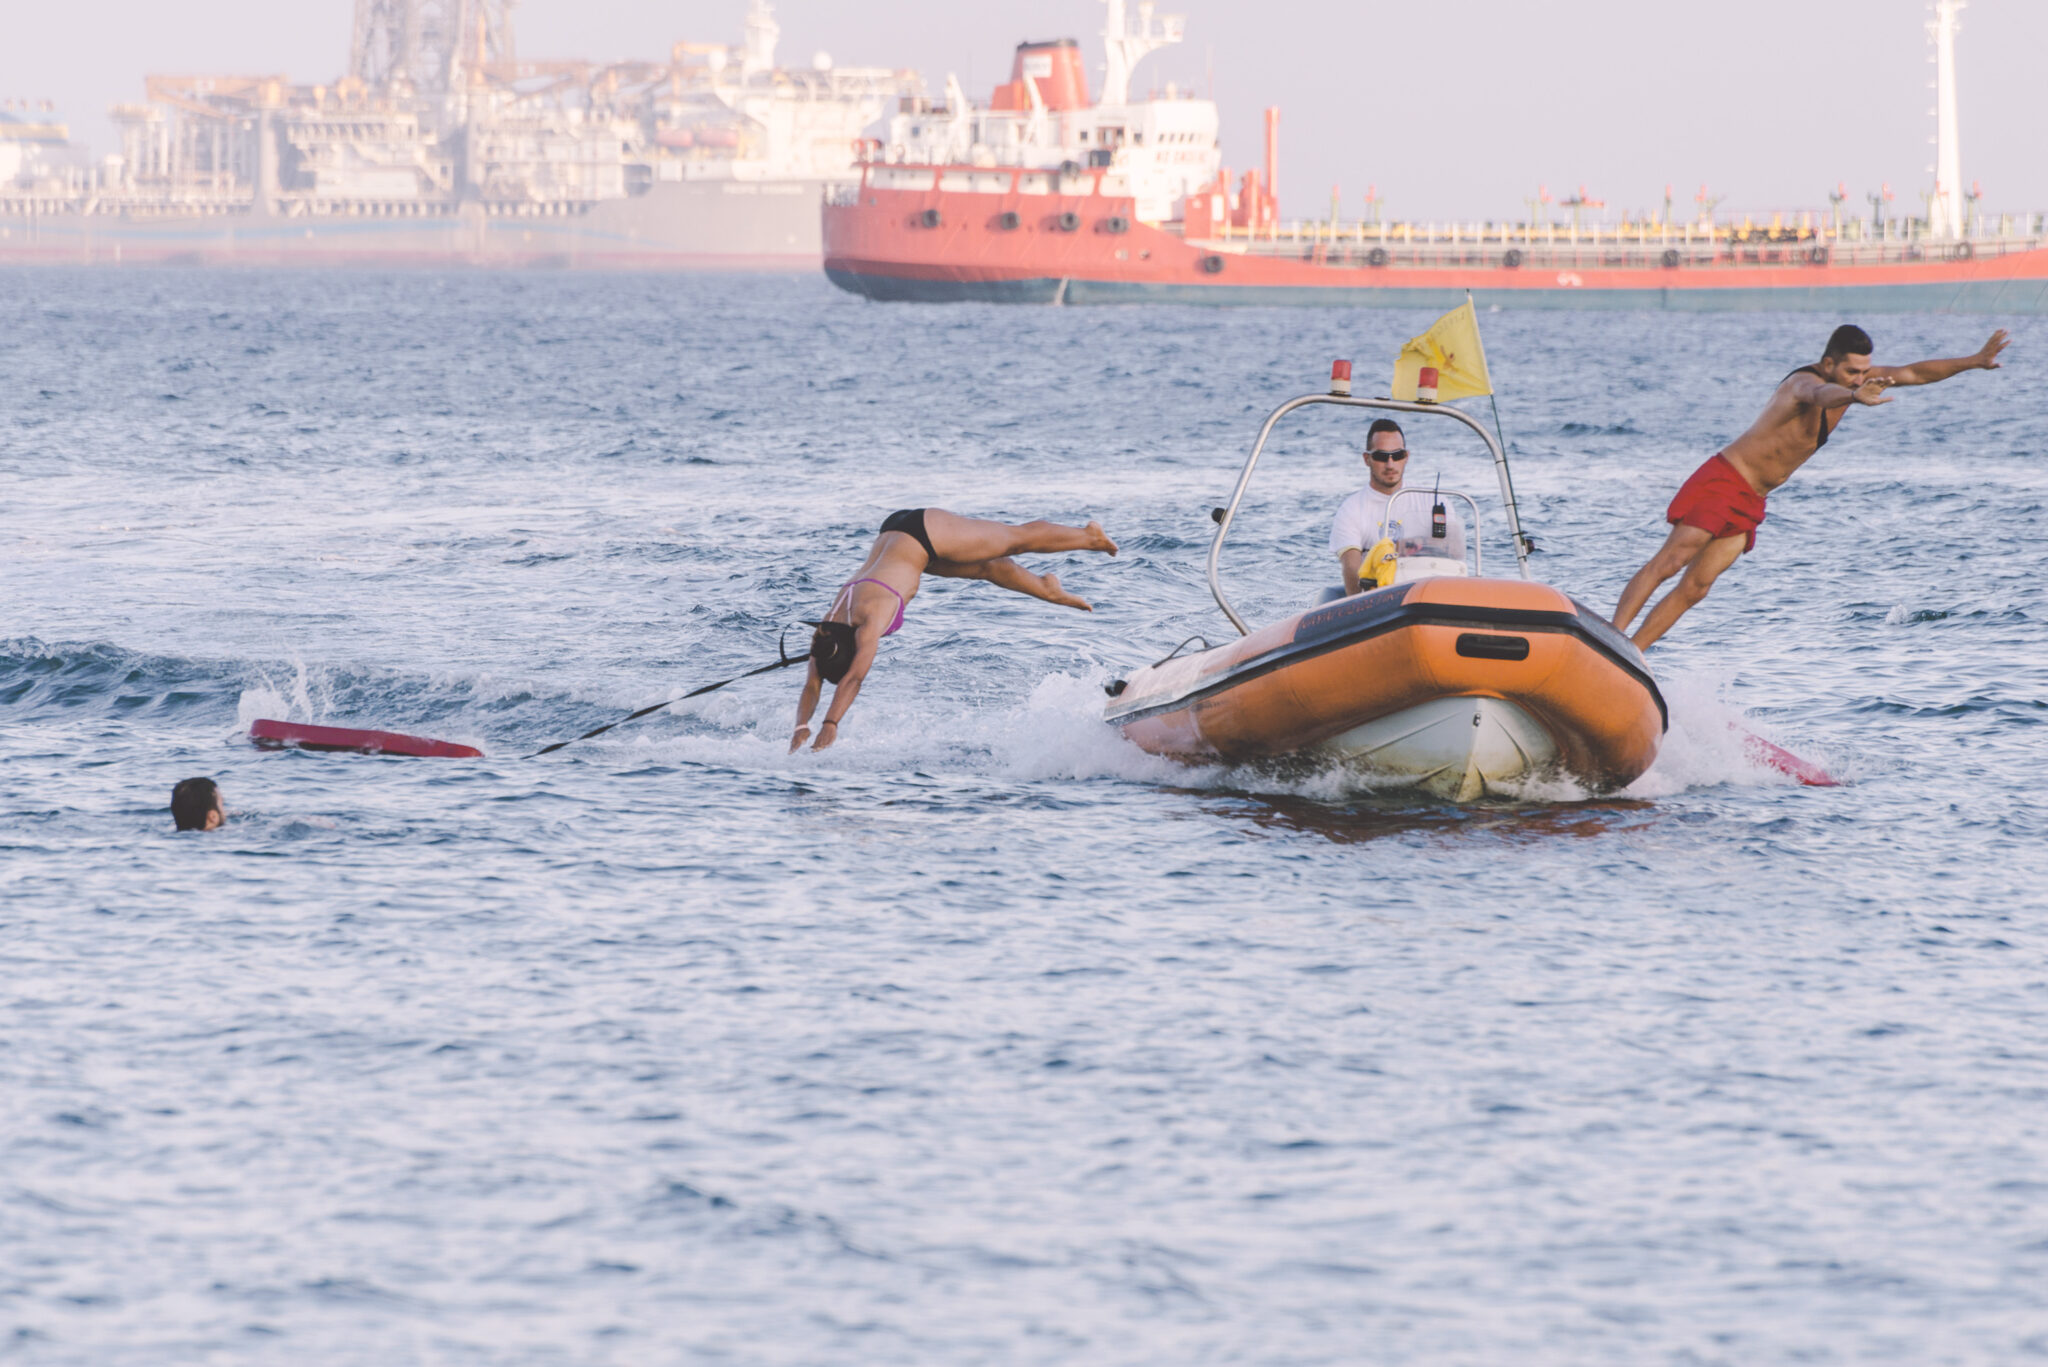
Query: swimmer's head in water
[(832, 650), (196, 805)]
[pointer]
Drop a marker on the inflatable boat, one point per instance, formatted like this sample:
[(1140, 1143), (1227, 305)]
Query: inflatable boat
[(1439, 678)]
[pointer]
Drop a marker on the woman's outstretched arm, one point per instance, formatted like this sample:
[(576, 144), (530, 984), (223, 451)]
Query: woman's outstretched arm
[(806, 704), (847, 690)]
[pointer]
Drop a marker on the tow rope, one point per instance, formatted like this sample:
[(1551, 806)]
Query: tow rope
[(784, 662)]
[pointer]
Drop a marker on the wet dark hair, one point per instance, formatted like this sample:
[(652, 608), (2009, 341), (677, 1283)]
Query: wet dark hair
[(1380, 425), (832, 650), (191, 800), (1848, 340)]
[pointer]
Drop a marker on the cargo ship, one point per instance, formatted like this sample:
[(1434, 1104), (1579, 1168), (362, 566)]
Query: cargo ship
[(1041, 196), (442, 146)]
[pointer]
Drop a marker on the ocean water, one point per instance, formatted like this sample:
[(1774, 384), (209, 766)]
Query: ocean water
[(982, 1038)]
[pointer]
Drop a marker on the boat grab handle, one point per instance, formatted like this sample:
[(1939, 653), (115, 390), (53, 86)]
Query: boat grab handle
[(1171, 654), (1244, 479)]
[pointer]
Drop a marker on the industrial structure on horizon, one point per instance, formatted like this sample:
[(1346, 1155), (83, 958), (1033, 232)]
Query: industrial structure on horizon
[(441, 143)]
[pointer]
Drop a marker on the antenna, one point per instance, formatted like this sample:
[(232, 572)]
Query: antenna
[(1945, 206), (1128, 39)]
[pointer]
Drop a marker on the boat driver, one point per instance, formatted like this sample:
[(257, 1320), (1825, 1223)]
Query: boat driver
[(1382, 510)]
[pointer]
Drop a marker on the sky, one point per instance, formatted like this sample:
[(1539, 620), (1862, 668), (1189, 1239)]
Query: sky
[(1767, 103)]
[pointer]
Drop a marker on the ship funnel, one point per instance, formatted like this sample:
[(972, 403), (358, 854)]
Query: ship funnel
[(1055, 68)]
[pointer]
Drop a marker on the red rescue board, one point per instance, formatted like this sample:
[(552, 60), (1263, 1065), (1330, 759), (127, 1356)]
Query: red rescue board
[(1766, 755), (277, 735)]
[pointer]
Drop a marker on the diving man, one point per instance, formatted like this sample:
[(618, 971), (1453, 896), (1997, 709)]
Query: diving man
[(1717, 511)]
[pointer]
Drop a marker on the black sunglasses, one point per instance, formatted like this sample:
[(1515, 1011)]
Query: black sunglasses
[(1384, 456)]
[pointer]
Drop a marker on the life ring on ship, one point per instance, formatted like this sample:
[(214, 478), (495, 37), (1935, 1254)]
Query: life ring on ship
[(1068, 222), (1211, 265), (1963, 252), (1512, 258), (1817, 256), (1670, 258), (1376, 257), (1007, 222), (929, 219), (1116, 223)]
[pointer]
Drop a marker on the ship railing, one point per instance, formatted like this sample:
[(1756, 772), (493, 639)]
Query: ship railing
[(1652, 254), (1778, 232), (131, 205)]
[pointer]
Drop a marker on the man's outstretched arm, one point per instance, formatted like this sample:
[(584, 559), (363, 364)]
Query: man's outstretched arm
[(1825, 394), (1932, 372)]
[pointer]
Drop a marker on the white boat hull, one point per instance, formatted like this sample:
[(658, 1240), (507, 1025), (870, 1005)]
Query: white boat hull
[(1455, 748)]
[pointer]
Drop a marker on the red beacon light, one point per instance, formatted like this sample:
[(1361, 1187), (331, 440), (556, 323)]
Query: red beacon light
[(1340, 378), (1425, 385)]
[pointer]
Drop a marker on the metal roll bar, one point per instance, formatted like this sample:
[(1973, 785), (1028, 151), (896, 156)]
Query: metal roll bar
[(1500, 465)]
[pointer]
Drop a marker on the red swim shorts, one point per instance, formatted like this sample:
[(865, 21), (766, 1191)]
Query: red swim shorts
[(1719, 501)]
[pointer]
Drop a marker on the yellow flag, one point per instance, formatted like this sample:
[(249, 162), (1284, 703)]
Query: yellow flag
[(1452, 346)]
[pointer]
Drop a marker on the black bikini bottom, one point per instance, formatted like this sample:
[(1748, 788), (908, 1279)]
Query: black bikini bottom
[(910, 521)]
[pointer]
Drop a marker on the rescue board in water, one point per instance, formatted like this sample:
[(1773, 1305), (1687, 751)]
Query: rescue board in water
[(281, 735)]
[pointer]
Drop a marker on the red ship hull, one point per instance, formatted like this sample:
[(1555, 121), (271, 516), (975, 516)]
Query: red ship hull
[(948, 245)]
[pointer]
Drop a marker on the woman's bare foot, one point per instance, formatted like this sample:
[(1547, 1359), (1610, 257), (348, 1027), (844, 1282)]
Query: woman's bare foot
[(1055, 594), (1099, 539), (796, 742), (824, 742)]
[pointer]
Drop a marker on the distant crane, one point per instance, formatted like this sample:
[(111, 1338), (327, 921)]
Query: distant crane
[(1579, 203)]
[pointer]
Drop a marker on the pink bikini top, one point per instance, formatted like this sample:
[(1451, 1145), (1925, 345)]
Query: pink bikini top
[(844, 597)]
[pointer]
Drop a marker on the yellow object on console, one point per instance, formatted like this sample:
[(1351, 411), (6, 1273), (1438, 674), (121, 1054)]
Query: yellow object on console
[(1378, 564)]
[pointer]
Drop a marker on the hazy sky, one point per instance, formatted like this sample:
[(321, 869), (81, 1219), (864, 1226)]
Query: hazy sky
[(1769, 102)]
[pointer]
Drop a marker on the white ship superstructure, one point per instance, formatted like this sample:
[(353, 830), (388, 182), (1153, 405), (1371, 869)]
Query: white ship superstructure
[(1159, 149)]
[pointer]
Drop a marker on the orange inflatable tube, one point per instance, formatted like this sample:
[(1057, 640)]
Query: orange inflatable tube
[(1379, 675)]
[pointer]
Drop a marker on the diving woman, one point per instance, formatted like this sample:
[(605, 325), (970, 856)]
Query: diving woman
[(913, 543)]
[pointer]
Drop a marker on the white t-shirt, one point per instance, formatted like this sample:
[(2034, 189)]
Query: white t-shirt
[(1363, 519)]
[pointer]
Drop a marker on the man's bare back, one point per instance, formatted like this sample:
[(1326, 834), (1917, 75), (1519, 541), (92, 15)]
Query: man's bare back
[(1715, 516)]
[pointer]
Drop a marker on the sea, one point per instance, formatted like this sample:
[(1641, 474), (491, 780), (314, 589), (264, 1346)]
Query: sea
[(982, 1037)]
